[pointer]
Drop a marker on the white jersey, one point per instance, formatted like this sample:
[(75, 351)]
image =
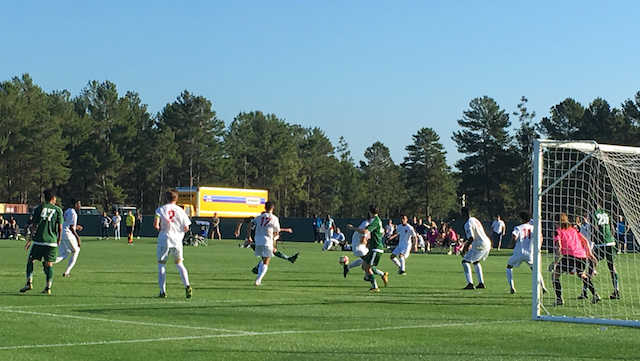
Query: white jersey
[(173, 219), (357, 237), (116, 221), (498, 226), (267, 228), (70, 219), (473, 228), (523, 246), (338, 237), (406, 234)]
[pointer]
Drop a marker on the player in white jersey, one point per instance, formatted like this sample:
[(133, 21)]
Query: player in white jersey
[(523, 249), (172, 222), (336, 240), (407, 236), (475, 249), (70, 240), (358, 247), (267, 233)]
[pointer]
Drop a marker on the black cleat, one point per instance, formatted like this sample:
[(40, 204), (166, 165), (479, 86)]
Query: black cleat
[(162, 295), (614, 296), (480, 285), (469, 287), (27, 287), (583, 296), (254, 270), (189, 291), (345, 270), (293, 258), (512, 290), (46, 291)]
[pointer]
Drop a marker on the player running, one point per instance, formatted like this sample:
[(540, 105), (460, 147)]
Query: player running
[(523, 250), (358, 247), (475, 249), (172, 222), (46, 230), (376, 248), (251, 234), (70, 242), (407, 236), (266, 235)]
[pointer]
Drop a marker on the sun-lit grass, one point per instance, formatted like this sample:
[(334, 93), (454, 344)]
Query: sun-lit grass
[(109, 310)]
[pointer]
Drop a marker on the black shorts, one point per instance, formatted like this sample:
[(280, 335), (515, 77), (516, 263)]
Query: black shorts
[(129, 229), (568, 264)]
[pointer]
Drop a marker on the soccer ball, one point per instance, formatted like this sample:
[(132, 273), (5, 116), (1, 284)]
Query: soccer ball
[(344, 259)]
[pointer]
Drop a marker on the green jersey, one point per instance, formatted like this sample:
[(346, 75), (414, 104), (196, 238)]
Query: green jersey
[(602, 234), (377, 231), (48, 218)]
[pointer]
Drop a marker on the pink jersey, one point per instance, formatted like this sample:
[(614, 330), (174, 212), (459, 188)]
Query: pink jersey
[(569, 242)]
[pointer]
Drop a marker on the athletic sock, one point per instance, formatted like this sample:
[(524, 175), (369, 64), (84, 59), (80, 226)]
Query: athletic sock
[(162, 277), (262, 270), (72, 261), (614, 279), (183, 273), (467, 272), (48, 270), (402, 263), (355, 263), (396, 261), (29, 271), (377, 271), (510, 277), (374, 284), (479, 272), (281, 255)]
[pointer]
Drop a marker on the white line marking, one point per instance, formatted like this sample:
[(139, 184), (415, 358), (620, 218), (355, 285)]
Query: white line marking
[(124, 321), (254, 334), (157, 302)]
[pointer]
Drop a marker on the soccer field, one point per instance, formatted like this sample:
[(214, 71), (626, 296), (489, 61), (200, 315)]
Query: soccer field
[(109, 310)]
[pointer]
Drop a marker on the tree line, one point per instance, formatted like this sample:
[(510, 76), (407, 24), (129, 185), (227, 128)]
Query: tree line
[(102, 148)]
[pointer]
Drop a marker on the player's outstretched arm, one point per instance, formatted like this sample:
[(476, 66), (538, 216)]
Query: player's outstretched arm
[(288, 230)]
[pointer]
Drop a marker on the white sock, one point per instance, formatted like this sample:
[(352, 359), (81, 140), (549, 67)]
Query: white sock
[(60, 258), (479, 272), (183, 273), (262, 270), (510, 278), (72, 261), (402, 263), (467, 272), (378, 272), (162, 277), (396, 261), (355, 263)]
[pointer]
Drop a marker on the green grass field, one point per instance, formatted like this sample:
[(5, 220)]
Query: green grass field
[(109, 310)]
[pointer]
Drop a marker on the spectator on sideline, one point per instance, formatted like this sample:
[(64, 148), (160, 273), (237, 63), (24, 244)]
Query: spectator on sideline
[(499, 229), (138, 225), (215, 227), (106, 222)]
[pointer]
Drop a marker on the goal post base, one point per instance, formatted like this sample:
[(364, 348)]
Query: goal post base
[(593, 321)]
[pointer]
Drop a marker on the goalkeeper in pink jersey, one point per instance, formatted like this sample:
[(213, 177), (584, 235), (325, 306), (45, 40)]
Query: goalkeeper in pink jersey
[(574, 249)]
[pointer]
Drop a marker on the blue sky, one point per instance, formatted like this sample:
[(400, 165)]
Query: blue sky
[(366, 70)]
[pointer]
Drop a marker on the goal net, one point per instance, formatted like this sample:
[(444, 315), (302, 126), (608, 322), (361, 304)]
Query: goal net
[(597, 187)]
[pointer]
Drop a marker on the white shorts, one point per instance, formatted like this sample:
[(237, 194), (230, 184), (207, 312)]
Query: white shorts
[(264, 251), (163, 254), (405, 249), (361, 250), (516, 259), (68, 244), (476, 255)]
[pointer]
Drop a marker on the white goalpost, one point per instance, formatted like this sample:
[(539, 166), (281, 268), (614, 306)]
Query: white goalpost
[(594, 185)]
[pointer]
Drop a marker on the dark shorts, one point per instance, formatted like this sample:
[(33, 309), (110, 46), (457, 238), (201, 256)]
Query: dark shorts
[(606, 252), (372, 258), (568, 264), (43, 253), (129, 229)]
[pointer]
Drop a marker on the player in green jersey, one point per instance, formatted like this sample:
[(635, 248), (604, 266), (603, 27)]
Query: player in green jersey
[(604, 247), (375, 245), (46, 230)]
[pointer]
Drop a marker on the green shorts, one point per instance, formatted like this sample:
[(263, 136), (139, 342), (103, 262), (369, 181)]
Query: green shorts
[(606, 252), (43, 253), (372, 258)]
